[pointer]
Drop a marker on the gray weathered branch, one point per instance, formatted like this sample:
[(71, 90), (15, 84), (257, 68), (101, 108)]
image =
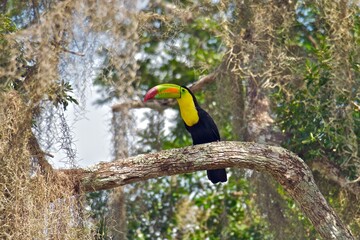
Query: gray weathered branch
[(287, 168)]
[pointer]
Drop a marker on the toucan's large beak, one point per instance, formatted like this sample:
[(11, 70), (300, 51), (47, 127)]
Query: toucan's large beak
[(163, 91)]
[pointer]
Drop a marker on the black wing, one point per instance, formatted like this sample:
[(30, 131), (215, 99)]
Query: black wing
[(205, 130)]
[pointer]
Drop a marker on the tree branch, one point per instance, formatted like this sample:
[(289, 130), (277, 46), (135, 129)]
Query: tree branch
[(285, 167), (36, 151), (332, 173), (202, 82), (140, 104)]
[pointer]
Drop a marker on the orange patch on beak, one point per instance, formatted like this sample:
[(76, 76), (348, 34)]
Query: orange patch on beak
[(171, 90)]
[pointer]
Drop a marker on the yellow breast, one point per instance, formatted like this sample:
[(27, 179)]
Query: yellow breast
[(188, 110)]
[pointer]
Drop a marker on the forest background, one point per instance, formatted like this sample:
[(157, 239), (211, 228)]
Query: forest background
[(282, 73)]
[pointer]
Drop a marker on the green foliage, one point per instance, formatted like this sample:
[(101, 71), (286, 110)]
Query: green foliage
[(97, 202), (189, 207), (59, 94), (106, 90), (230, 212), (316, 112), (182, 57), (6, 27)]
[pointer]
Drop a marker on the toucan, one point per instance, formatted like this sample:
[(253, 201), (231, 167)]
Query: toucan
[(197, 121)]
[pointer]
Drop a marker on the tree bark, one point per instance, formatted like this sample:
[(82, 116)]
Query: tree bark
[(285, 167)]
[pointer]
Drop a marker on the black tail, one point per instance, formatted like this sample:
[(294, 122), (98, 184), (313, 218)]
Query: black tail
[(217, 175)]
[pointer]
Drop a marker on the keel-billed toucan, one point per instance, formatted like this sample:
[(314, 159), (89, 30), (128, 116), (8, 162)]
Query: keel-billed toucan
[(197, 121)]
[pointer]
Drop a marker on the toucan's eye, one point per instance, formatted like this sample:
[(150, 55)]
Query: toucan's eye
[(182, 90)]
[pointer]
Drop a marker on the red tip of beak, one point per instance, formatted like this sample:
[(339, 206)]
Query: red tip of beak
[(150, 94)]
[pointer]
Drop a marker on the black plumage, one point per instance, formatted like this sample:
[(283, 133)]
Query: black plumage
[(205, 131)]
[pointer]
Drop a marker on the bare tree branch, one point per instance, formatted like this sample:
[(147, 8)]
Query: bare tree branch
[(285, 167), (202, 82), (139, 104), (36, 151), (331, 172)]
